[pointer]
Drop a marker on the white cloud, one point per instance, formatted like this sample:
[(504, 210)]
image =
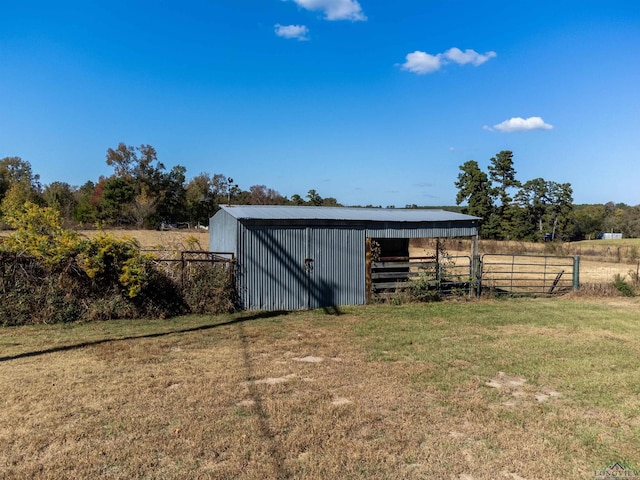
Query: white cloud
[(422, 62), (335, 9), (519, 124), (468, 56), (299, 32)]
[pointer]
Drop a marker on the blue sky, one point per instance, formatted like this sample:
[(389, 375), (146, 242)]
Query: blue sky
[(371, 102)]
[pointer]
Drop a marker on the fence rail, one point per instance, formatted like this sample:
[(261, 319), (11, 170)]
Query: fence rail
[(529, 274), (188, 258), (445, 274)]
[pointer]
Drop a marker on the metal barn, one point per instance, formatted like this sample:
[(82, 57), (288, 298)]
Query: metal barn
[(291, 257)]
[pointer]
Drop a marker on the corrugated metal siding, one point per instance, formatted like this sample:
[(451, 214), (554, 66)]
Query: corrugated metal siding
[(435, 230), (272, 273), (447, 229), (338, 267), (223, 233)]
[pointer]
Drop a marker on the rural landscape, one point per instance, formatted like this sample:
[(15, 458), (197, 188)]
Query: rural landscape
[(464, 388), (319, 239)]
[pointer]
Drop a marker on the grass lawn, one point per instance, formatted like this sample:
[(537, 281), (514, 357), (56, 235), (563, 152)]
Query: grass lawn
[(513, 389)]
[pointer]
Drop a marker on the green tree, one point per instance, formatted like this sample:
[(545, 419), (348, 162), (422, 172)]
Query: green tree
[(531, 201), (474, 188), (203, 195), (587, 221), (135, 162), (297, 199), (62, 197), (503, 177), (86, 201), (314, 198), (559, 208), (14, 169), (172, 196), (156, 195), (115, 196), (503, 180)]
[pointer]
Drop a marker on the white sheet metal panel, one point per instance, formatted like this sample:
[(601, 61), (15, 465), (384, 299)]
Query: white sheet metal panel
[(223, 233)]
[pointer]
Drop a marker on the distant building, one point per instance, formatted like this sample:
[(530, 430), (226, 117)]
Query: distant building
[(609, 236)]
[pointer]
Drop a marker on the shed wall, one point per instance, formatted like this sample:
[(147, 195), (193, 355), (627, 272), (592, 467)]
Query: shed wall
[(223, 233), (274, 275)]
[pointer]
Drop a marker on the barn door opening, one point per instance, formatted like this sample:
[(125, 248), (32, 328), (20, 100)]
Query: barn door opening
[(387, 261)]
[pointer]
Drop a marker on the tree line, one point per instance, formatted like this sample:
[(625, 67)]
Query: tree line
[(537, 209), (142, 193)]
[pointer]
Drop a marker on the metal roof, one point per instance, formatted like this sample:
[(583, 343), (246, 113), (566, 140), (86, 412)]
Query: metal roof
[(279, 212)]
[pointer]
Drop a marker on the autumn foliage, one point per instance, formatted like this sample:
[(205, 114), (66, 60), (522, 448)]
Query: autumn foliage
[(49, 274)]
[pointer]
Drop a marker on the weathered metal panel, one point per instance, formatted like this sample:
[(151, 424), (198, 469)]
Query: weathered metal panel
[(271, 273), (417, 230), (274, 274), (223, 230), (338, 267)]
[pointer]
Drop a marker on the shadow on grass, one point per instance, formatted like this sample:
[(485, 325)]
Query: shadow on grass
[(275, 448), (75, 346)]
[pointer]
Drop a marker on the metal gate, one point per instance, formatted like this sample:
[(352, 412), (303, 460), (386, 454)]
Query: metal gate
[(529, 274)]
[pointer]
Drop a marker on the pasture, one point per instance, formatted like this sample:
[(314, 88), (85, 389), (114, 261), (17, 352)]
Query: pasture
[(518, 389)]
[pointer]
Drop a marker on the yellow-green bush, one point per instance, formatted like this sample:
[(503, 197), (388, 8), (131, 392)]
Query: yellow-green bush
[(39, 233), (107, 259), (51, 275)]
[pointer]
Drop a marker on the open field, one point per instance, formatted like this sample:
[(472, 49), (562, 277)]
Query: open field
[(600, 260), (519, 389)]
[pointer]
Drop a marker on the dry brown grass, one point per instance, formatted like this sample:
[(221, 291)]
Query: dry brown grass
[(302, 396), (228, 403), (176, 240)]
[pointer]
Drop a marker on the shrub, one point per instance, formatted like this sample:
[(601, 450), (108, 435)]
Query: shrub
[(119, 262), (39, 233), (425, 290), (50, 275), (623, 287), (209, 287)]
